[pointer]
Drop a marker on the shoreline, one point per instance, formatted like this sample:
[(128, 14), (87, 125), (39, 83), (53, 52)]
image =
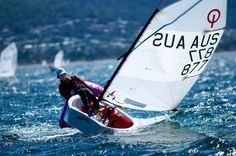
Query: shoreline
[(106, 60), (72, 62)]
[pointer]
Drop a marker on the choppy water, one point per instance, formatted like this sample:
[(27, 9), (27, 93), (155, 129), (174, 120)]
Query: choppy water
[(204, 124)]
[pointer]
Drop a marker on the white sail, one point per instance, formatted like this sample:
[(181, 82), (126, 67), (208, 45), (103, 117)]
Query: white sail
[(165, 61), (58, 61), (8, 61), (44, 63)]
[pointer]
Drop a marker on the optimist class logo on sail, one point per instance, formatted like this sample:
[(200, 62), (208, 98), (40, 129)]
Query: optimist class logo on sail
[(213, 16)]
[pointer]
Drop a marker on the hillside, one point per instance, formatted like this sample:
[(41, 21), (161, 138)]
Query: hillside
[(85, 30)]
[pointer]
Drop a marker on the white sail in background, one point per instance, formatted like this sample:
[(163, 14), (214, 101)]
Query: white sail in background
[(44, 63), (8, 61), (58, 61), (167, 58)]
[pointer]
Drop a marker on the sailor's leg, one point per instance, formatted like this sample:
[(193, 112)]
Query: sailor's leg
[(92, 97), (84, 98)]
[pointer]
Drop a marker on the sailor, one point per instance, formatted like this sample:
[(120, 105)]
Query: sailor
[(72, 85)]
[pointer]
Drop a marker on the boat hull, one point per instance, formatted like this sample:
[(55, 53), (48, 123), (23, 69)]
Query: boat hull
[(76, 117)]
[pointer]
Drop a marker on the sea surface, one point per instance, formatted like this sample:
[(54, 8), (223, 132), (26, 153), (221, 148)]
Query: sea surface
[(204, 124)]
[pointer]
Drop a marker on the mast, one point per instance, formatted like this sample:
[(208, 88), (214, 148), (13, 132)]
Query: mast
[(125, 55)]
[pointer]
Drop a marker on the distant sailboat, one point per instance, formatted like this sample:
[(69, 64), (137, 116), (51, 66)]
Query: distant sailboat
[(44, 63), (59, 59), (8, 61)]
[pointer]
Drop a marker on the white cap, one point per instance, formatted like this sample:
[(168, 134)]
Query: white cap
[(60, 71)]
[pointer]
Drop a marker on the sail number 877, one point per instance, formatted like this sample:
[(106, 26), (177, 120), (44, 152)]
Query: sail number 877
[(199, 59)]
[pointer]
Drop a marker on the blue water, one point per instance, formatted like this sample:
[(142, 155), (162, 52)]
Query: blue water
[(205, 123)]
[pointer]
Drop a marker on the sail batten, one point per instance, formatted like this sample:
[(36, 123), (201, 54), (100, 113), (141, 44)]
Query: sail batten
[(168, 56)]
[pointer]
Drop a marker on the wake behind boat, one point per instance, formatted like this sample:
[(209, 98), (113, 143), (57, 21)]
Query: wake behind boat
[(161, 66)]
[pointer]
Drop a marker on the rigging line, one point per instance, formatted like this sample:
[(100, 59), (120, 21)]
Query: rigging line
[(121, 105), (115, 105), (166, 25)]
